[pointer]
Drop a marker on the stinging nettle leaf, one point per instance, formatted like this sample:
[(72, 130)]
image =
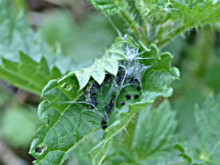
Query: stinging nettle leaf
[(182, 17), (26, 60), (110, 6), (149, 94), (97, 72), (68, 123), (111, 66), (28, 74), (152, 138), (81, 112), (83, 76), (99, 153), (162, 20), (108, 63), (203, 147), (159, 141)]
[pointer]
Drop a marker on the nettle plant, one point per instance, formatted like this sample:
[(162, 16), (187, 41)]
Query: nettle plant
[(113, 93)]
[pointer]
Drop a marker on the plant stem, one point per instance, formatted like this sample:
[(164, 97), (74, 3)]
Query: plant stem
[(172, 35), (139, 5), (130, 22), (205, 42)]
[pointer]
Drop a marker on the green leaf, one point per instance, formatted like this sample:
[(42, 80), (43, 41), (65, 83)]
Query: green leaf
[(182, 151), (167, 19), (155, 134), (196, 17), (192, 4), (98, 153), (157, 63), (27, 73), (153, 137), (155, 84), (97, 71), (83, 77), (109, 6), (204, 146), (159, 22), (26, 60), (68, 124), (79, 154), (62, 110), (111, 66), (112, 130), (108, 63), (80, 112)]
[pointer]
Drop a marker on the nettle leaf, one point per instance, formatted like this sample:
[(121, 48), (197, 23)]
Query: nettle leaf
[(155, 84), (86, 100), (192, 4), (110, 6), (153, 137), (27, 73), (63, 110), (155, 134), (26, 60), (157, 63), (204, 147), (184, 18), (168, 19), (108, 63), (68, 123), (159, 22)]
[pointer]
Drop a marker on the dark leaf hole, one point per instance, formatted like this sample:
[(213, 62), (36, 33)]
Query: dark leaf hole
[(39, 150)]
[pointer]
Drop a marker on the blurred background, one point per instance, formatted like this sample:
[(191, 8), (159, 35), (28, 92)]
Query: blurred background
[(84, 34)]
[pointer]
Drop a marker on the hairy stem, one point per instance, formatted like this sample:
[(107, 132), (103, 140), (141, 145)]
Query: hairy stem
[(172, 35), (127, 17), (180, 30), (139, 4)]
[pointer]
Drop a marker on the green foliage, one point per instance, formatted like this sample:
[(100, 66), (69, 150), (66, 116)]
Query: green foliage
[(79, 154), (67, 108), (28, 62), (204, 147), (153, 138), (78, 103), (108, 63), (163, 20), (21, 6), (193, 3), (18, 125), (189, 18), (32, 71), (28, 74), (110, 6), (155, 135)]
